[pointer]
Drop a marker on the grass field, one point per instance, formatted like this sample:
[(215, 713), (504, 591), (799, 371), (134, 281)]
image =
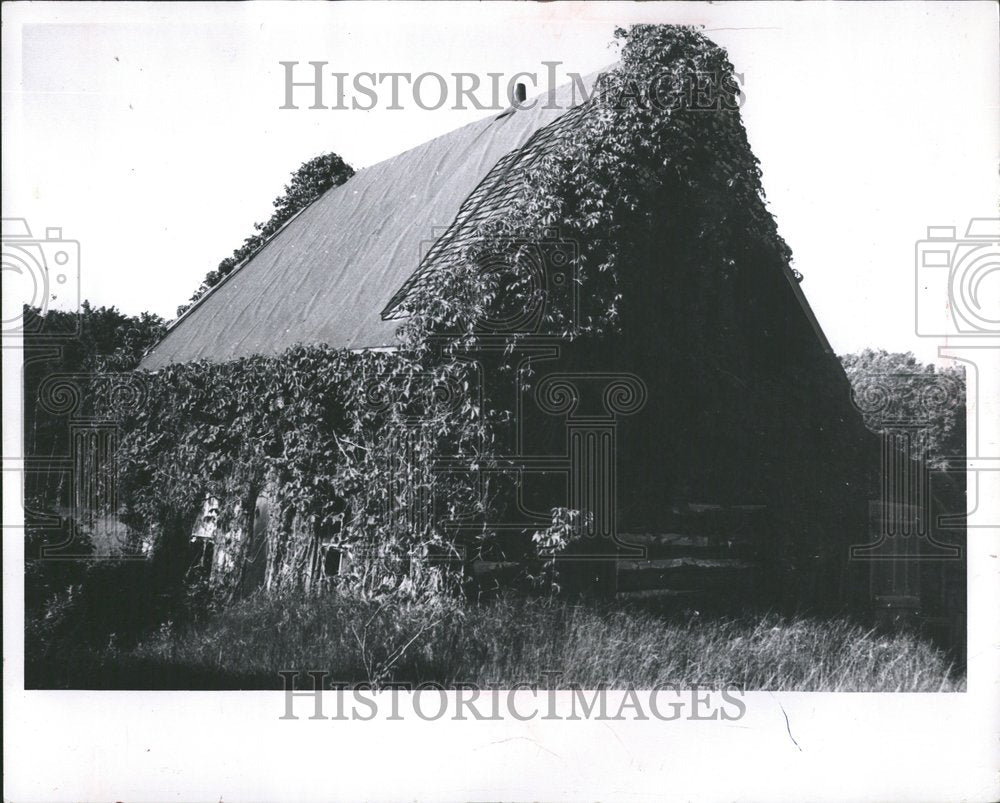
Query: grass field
[(514, 640)]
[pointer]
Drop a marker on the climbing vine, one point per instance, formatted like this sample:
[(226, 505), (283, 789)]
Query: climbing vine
[(353, 442)]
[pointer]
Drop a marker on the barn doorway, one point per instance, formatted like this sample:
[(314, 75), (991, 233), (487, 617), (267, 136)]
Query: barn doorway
[(255, 560)]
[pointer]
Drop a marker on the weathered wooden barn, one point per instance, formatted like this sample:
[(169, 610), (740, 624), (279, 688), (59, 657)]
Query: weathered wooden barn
[(711, 441)]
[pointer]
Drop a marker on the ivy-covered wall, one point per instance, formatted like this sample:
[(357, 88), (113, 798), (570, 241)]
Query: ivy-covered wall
[(714, 384)]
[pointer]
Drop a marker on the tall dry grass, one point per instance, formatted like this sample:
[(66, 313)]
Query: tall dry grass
[(545, 642)]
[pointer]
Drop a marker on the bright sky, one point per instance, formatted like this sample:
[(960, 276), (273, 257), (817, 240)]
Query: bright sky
[(152, 134)]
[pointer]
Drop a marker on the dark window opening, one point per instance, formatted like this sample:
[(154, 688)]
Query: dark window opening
[(331, 562)]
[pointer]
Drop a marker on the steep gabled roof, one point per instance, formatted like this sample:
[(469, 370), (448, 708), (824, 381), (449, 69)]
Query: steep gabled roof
[(330, 272), (489, 199)]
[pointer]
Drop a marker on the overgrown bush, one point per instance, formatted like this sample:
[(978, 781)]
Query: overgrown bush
[(108, 607)]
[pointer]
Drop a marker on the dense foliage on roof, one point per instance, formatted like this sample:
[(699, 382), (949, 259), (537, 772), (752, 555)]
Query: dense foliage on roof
[(658, 154)]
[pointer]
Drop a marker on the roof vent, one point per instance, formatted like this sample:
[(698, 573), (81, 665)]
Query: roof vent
[(520, 94)]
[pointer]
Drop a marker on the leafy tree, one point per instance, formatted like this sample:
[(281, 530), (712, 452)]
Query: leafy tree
[(70, 348), (82, 343), (894, 388), (93, 338), (307, 183)]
